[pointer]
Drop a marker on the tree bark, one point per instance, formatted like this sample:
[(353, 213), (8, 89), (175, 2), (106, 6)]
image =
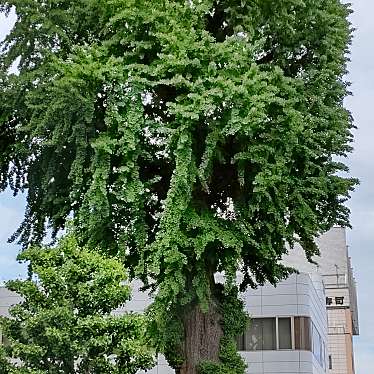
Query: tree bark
[(203, 332)]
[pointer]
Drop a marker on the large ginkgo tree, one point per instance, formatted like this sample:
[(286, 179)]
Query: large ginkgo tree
[(188, 137)]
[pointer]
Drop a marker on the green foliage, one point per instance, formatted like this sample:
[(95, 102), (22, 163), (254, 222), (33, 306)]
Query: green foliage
[(64, 323), (165, 331), (4, 363), (186, 137)]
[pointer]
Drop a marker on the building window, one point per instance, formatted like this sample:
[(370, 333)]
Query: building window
[(330, 362), (319, 348), (284, 333), (261, 335), (267, 334), (303, 339), (287, 333)]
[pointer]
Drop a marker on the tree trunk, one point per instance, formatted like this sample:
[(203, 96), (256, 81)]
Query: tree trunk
[(203, 334)]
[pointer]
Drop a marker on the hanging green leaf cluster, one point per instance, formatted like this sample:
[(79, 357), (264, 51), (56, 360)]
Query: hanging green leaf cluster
[(188, 137), (64, 323)]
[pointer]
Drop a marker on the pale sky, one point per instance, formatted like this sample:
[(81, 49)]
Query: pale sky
[(361, 162)]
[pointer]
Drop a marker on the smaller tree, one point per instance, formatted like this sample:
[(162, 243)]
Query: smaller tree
[(65, 323)]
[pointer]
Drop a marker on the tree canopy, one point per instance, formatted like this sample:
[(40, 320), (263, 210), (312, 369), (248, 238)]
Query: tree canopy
[(64, 323), (187, 137)]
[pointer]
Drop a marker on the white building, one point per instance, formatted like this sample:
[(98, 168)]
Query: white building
[(334, 265), (7, 299), (288, 330)]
